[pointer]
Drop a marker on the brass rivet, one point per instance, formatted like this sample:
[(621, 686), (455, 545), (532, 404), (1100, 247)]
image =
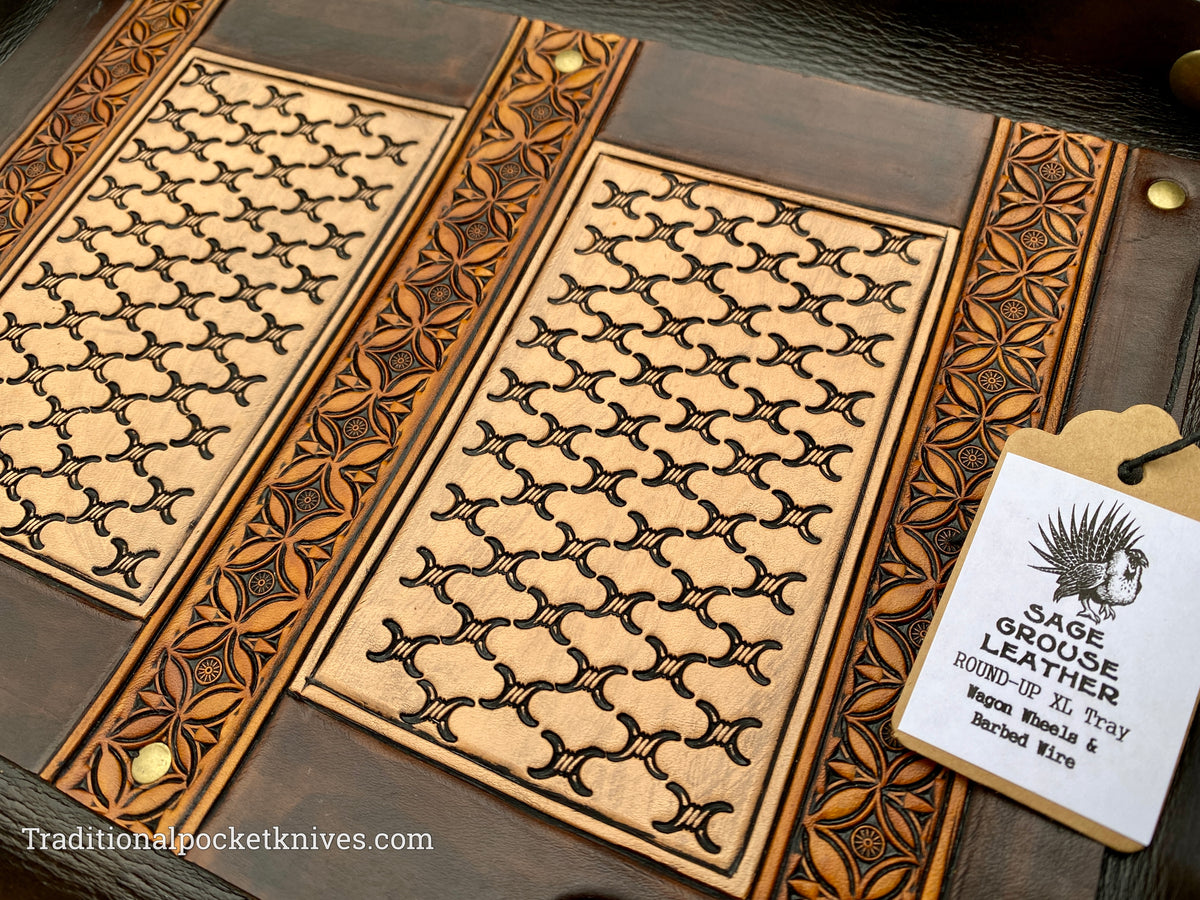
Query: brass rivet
[(1185, 79), (568, 61), (1166, 194), (151, 763)]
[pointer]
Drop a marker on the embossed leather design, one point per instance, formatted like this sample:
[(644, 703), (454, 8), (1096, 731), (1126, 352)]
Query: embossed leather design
[(628, 554), (1095, 67), (242, 193)]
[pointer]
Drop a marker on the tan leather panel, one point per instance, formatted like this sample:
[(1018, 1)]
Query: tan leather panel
[(153, 328), (619, 583)]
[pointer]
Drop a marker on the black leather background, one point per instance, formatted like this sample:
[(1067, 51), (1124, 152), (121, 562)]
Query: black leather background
[(1089, 65), (1169, 868), (40, 43)]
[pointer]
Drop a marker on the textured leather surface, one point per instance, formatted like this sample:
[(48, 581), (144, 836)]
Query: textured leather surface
[(18, 20), (1091, 66), (1144, 295), (26, 801), (440, 54), (1098, 66), (68, 662), (1003, 843), (1086, 65), (885, 152), (35, 62), (1144, 316), (1169, 869)]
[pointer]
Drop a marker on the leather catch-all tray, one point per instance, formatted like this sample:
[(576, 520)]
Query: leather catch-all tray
[(540, 442)]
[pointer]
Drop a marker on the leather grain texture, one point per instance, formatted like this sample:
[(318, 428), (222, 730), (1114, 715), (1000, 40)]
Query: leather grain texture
[(438, 53), (18, 20), (1086, 65), (1169, 869), (409, 330), (34, 61), (1098, 66), (1142, 333), (34, 166), (1143, 317), (49, 674), (1146, 320), (25, 874), (884, 152), (1007, 851)]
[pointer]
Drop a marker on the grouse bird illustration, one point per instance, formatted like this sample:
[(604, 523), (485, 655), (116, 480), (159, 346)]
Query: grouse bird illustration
[(1095, 559)]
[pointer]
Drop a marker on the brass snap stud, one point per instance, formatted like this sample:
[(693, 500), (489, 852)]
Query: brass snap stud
[(1166, 194), (152, 763), (1185, 79), (568, 61)]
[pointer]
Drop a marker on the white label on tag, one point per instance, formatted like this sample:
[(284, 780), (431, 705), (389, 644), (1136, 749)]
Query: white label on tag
[(1085, 699)]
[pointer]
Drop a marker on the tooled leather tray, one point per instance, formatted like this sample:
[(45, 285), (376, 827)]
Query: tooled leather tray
[(544, 445)]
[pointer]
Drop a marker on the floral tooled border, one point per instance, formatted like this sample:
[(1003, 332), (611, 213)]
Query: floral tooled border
[(139, 47), (874, 812), (226, 649)]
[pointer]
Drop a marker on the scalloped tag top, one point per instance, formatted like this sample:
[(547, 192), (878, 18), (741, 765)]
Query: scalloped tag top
[(1060, 665)]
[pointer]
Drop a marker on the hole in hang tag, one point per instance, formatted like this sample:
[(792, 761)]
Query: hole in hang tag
[(1132, 471)]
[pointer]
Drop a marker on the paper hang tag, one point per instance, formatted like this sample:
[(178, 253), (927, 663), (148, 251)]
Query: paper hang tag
[(1060, 667)]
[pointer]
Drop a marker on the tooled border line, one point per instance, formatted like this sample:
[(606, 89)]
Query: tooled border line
[(140, 47), (205, 682), (878, 819)]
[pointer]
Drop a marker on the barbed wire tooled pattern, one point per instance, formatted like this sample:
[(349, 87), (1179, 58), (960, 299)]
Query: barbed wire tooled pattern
[(131, 55), (266, 574), (611, 588), (157, 321)]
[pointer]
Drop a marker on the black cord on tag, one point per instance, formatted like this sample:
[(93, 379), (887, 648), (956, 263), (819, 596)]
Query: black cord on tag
[(1133, 470)]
